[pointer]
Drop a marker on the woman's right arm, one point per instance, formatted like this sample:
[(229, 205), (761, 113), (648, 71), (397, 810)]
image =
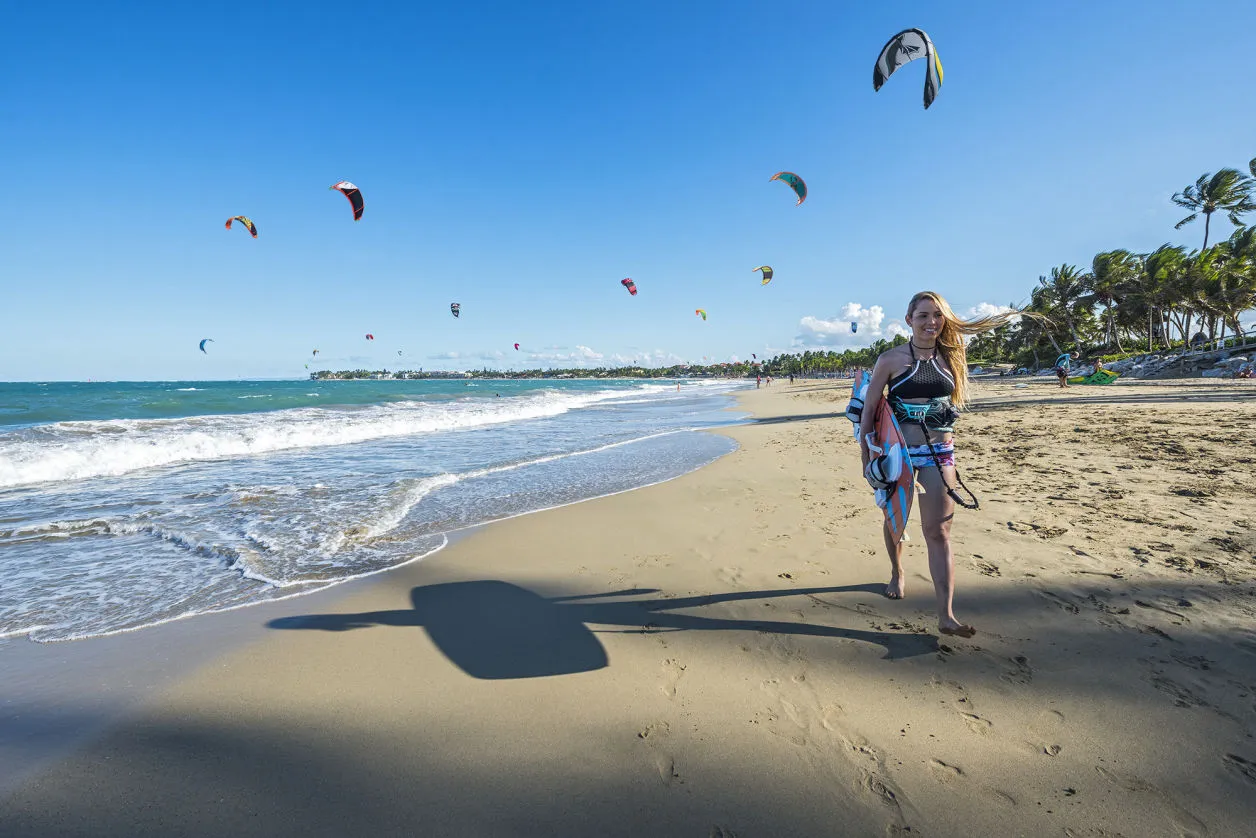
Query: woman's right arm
[(876, 387)]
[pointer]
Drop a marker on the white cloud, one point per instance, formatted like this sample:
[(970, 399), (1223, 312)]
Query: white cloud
[(817, 331), (645, 358), (561, 355), (984, 310), (481, 355)]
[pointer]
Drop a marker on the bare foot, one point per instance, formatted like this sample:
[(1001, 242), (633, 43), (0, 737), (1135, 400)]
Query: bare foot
[(895, 589), (955, 628)]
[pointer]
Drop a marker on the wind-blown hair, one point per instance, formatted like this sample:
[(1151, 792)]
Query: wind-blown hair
[(951, 338)]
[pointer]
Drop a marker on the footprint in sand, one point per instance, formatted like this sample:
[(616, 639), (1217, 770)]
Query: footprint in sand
[(860, 745), (667, 770), (1000, 796), (655, 560), (1022, 673), (1184, 820), (1036, 529), (829, 714), (1182, 618), (1059, 602), (1047, 726), (987, 568), (1182, 696), (672, 670), (975, 723), (882, 790), (1245, 768), (944, 772)]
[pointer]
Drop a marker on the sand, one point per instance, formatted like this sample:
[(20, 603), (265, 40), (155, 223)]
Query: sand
[(713, 657)]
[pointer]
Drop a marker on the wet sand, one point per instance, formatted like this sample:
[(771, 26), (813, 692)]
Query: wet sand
[(713, 657)]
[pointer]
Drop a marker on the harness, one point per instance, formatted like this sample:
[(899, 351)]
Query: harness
[(937, 414)]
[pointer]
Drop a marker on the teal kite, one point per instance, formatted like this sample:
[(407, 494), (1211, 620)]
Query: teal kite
[(794, 182)]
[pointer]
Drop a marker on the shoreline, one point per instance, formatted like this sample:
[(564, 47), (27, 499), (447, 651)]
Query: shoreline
[(124, 668), (713, 653)]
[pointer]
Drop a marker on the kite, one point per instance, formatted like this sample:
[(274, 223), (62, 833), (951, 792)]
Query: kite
[(315, 352), (700, 312), (516, 347), (904, 47), (854, 327), (207, 340), (398, 353), (794, 182), (370, 336), (630, 285), (354, 195), (455, 308), (246, 221), (767, 273), (754, 356)]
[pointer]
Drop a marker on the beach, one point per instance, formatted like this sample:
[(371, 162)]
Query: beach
[(713, 656)]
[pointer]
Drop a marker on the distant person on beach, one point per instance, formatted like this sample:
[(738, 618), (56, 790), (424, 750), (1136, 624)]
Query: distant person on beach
[(927, 383), (1062, 365), (758, 379), (791, 378)]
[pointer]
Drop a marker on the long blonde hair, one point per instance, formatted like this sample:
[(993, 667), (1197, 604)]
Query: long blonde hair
[(951, 338)]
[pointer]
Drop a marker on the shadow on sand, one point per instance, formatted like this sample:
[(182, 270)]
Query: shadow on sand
[(797, 417), (495, 630)]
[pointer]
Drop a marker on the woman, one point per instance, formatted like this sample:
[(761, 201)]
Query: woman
[(927, 380)]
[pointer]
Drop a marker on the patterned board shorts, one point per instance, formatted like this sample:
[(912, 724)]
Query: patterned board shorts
[(922, 458)]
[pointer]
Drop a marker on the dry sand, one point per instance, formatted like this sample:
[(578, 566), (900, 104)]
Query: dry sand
[(712, 656)]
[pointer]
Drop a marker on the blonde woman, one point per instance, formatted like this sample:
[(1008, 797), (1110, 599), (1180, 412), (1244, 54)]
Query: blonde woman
[(926, 381)]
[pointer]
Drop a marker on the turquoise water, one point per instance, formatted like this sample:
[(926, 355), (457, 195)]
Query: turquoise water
[(128, 504), (36, 403)]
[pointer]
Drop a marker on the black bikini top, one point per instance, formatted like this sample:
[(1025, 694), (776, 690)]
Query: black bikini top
[(925, 379)]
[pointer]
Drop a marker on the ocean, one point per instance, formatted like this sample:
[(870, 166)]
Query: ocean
[(124, 505)]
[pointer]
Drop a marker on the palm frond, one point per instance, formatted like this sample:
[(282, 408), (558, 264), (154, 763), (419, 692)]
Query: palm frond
[(1186, 199), (1187, 220)]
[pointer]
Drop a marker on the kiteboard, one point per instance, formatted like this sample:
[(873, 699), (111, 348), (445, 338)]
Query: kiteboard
[(1101, 377), (1096, 377), (886, 434)]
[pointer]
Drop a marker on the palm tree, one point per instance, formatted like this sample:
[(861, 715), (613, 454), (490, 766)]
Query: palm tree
[(1228, 190), (1065, 297), (1238, 272), (1111, 273), (1163, 270)]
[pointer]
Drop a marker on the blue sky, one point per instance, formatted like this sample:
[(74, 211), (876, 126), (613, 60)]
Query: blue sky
[(522, 159)]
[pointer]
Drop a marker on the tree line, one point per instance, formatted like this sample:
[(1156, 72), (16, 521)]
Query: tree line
[(1128, 303)]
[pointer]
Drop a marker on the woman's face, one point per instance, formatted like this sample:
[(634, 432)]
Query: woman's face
[(926, 322)]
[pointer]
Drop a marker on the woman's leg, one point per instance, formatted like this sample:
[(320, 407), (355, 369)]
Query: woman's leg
[(894, 547), (936, 511)]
